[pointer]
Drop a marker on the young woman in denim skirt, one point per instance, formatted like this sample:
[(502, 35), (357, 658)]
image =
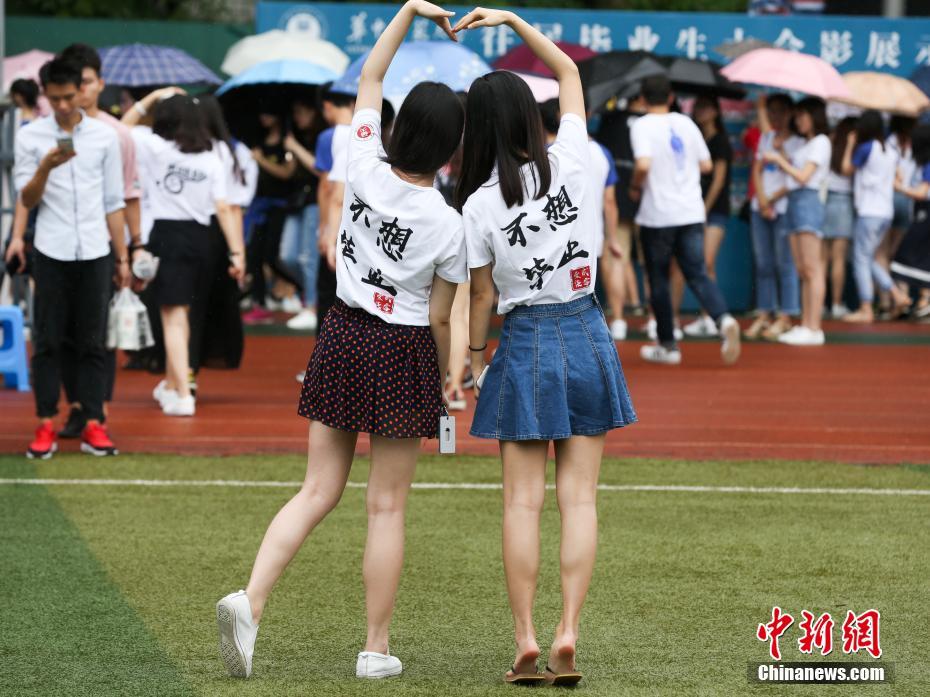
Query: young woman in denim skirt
[(807, 169), (529, 228), (382, 348), (839, 218), (874, 165)]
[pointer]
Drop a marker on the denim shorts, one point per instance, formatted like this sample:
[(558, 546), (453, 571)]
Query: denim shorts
[(903, 211), (805, 211), (556, 374), (839, 216), (717, 220)]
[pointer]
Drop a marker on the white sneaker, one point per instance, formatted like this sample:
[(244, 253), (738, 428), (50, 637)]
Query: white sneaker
[(659, 354), (839, 311), (300, 377), (272, 304), (237, 633), (802, 336), (377, 665), (618, 330), (701, 327), (652, 331), (305, 320), (180, 406), (730, 348), (292, 304), (163, 395)]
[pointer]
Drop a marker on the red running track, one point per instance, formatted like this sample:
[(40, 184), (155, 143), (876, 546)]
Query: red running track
[(843, 402)]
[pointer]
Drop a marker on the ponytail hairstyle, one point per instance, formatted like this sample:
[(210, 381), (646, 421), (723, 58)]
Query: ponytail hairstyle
[(502, 127), (840, 138)]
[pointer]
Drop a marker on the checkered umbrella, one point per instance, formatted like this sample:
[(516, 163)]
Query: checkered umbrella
[(142, 65)]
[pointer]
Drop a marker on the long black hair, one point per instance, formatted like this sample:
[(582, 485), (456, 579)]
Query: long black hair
[(902, 127), (216, 126), (427, 129), (817, 109), (840, 138), (180, 119), (502, 127), (715, 104), (920, 144), (870, 127)]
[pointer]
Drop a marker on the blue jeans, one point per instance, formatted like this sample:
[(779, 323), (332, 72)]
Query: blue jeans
[(686, 244), (777, 287), (868, 234), (299, 252)]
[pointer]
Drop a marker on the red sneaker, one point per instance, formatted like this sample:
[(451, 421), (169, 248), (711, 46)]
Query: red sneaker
[(96, 441), (258, 315), (44, 445)]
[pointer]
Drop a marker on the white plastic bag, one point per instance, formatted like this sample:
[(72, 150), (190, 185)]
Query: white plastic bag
[(128, 325)]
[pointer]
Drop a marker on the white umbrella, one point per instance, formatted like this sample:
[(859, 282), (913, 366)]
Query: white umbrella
[(282, 45)]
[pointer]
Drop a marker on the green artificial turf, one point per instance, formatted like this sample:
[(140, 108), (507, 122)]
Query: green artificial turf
[(110, 589)]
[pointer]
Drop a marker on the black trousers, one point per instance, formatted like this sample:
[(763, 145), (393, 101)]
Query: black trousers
[(325, 291), (71, 299)]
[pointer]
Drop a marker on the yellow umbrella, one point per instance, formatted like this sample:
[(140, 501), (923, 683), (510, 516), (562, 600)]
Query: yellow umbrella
[(885, 92)]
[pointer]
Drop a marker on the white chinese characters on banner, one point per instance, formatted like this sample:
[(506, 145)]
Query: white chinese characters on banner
[(496, 41), (923, 55), (836, 47), (789, 41), (692, 42), (884, 50), (643, 39), (596, 37), (357, 28), (551, 30)]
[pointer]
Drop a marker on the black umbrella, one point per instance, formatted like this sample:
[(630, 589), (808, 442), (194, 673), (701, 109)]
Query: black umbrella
[(607, 75), (700, 78)]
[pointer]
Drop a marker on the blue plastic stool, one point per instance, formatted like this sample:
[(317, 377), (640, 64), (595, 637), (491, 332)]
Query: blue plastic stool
[(13, 365)]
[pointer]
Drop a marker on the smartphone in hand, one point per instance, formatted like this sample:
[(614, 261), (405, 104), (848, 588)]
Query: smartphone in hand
[(66, 145), (480, 381)]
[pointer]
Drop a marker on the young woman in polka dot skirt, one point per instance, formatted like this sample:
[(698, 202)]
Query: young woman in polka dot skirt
[(382, 349)]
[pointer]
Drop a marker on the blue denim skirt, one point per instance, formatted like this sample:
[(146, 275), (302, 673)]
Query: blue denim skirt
[(839, 216), (555, 374), (806, 211)]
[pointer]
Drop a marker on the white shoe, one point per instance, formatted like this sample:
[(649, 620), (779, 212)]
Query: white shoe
[(839, 311), (659, 354), (305, 320), (180, 406), (292, 304), (237, 633), (701, 327), (802, 336), (652, 331), (730, 348), (618, 330), (163, 395), (377, 665), (272, 304), (300, 377)]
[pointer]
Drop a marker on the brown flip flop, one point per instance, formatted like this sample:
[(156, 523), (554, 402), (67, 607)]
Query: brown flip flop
[(562, 679), (528, 679)]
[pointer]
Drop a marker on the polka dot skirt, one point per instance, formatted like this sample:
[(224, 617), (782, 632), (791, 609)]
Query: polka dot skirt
[(368, 376)]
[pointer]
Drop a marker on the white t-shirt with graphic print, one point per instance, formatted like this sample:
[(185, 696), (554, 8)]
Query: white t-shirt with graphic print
[(179, 186), (544, 250), (394, 235), (672, 193)]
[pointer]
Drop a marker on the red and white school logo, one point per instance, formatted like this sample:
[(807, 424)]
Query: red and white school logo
[(385, 303), (364, 132), (581, 277)]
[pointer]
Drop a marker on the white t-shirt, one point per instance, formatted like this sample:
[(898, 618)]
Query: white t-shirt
[(873, 183), (239, 190), (773, 177), (907, 168), (817, 150), (838, 184), (544, 250), (180, 186), (600, 168), (340, 152), (394, 236), (672, 192), (145, 203)]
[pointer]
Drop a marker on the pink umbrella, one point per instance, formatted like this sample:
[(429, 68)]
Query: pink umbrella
[(788, 70), (23, 65), (543, 88)]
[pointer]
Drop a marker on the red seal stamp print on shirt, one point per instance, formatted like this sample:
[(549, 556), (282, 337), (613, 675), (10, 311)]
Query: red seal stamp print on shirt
[(364, 132), (581, 277), (385, 303)]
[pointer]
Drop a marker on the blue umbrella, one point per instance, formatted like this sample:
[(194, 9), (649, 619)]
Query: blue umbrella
[(293, 72), (142, 65), (438, 61)]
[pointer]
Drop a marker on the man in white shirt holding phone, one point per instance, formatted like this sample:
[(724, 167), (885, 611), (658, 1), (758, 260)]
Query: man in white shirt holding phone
[(69, 166)]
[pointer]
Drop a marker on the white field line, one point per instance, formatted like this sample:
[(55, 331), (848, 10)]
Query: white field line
[(464, 486)]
